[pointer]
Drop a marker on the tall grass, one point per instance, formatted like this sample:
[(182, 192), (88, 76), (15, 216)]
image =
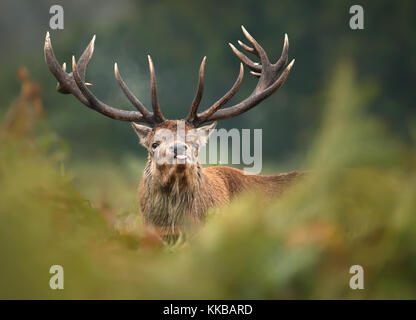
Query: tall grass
[(356, 206)]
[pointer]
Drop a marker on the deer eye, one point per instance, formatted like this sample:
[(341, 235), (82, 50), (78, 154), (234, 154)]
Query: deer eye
[(155, 145)]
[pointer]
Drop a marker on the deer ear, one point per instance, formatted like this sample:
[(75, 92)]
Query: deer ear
[(143, 132), (205, 131)]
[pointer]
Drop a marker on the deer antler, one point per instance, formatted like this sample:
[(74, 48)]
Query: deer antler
[(268, 73), (269, 82), (74, 83)]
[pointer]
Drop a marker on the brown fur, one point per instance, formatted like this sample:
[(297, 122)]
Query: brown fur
[(175, 197)]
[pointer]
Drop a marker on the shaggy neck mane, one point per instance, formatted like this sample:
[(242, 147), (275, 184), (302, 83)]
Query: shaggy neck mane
[(173, 193)]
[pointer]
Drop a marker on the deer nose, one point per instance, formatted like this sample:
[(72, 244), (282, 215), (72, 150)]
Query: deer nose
[(179, 148)]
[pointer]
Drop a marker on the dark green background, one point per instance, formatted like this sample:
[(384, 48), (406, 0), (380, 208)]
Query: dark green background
[(179, 33)]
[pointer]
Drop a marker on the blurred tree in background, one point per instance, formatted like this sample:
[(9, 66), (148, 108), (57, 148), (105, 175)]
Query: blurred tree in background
[(179, 33)]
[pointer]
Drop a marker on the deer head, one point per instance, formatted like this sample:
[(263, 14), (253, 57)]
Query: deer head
[(174, 143)]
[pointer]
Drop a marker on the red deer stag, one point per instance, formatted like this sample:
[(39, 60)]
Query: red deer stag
[(177, 191)]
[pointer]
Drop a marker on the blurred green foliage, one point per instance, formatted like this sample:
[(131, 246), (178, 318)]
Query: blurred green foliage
[(356, 206)]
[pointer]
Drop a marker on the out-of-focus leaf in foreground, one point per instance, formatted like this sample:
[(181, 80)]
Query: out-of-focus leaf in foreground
[(356, 205)]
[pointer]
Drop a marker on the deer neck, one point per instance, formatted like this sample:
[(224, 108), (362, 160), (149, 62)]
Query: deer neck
[(174, 195)]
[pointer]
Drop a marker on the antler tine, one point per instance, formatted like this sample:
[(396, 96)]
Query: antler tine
[(260, 51), (85, 59), (253, 66), (284, 56), (133, 99), (256, 74), (198, 96), (96, 104), (66, 83), (202, 117), (247, 48), (157, 114)]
